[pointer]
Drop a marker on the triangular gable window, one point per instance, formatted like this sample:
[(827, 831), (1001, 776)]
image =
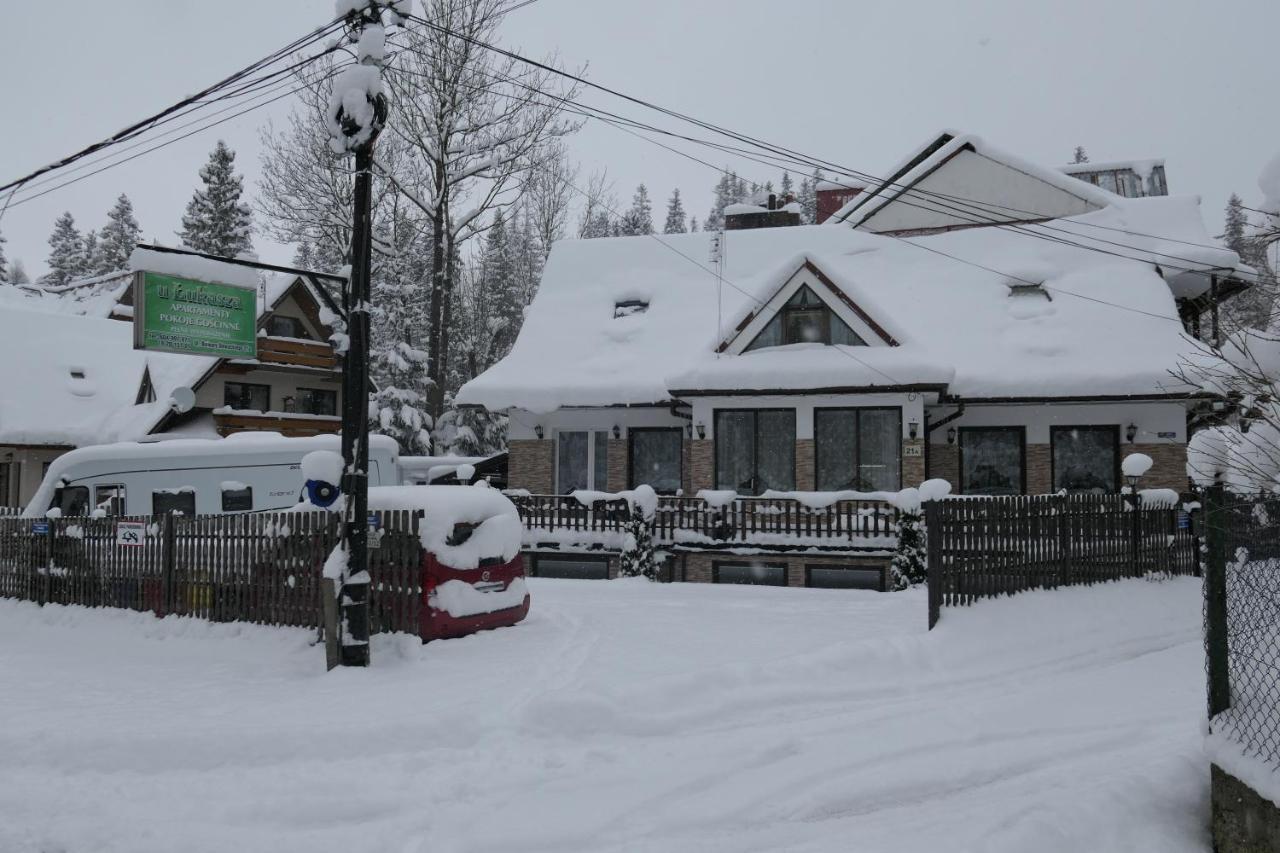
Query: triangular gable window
[(147, 391), (805, 319)]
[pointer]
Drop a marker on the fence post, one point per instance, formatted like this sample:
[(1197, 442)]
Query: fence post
[(168, 558), (933, 546), (1135, 532), (1215, 600), (1064, 543)]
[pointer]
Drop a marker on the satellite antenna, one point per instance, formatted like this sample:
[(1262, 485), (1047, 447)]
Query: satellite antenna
[(182, 399), (717, 258)]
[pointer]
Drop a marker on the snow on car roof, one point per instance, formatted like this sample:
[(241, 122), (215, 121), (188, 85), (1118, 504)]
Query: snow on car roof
[(1110, 327)]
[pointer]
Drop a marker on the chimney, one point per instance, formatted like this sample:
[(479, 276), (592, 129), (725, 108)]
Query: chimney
[(775, 212), (833, 195)]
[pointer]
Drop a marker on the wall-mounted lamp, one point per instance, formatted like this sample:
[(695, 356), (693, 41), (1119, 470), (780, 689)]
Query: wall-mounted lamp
[(617, 431), (951, 435), (702, 430), (913, 429), (1130, 433), (538, 431)]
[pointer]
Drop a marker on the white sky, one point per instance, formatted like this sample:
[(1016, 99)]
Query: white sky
[(855, 83)]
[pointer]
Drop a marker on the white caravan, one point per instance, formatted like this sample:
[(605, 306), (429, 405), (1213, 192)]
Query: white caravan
[(246, 472)]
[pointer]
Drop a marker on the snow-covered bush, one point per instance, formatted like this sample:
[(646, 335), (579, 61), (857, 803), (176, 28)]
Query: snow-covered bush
[(637, 557), (909, 566)]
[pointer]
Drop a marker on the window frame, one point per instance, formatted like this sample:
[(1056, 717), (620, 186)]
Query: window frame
[(592, 434), (122, 496), (755, 443), (1022, 445), (1053, 460), (718, 565), (880, 570), (298, 398), (631, 454), (601, 563), (857, 432), (827, 316), (226, 386)]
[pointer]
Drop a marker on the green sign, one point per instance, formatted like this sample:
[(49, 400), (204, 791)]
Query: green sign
[(194, 317)]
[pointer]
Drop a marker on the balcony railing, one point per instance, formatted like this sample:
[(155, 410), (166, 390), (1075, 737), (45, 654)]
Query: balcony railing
[(694, 522), (296, 352)]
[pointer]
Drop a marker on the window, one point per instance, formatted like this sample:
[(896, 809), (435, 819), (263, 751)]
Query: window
[(628, 307), (826, 576), (582, 461), (576, 568), (317, 401), (859, 449), (4, 483), (805, 319), (755, 450), (173, 501), (286, 327), (655, 458), (763, 574), (245, 396), (72, 500), (237, 497), (109, 499), (1086, 458), (992, 460)]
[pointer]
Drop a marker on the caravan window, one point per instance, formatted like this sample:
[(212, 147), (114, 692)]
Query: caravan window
[(173, 502), (237, 497), (72, 500), (246, 396), (109, 499)]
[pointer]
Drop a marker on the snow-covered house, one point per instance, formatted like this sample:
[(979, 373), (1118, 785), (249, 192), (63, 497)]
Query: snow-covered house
[(75, 379), (976, 318)]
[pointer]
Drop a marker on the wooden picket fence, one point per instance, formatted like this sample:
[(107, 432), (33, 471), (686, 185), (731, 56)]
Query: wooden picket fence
[(982, 547), (263, 568)]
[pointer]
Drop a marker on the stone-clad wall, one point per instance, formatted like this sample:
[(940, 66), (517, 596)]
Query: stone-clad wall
[(530, 465), (1243, 821), (1168, 469)]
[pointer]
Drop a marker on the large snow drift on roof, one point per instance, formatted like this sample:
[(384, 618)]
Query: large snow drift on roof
[(1110, 327)]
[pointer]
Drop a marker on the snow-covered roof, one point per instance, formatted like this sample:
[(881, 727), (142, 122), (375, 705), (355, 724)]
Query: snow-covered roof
[(73, 380), (982, 198), (1141, 167), (1110, 328)]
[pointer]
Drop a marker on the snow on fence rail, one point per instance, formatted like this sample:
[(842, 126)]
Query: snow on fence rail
[(982, 547), (260, 567), (735, 521)]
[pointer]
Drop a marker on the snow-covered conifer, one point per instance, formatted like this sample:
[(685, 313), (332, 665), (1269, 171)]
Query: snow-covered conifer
[(909, 564), (118, 237), (4, 264), (1079, 156), (639, 218), (637, 558), (18, 273), (786, 187), (675, 215), (92, 254), (217, 221), (66, 252)]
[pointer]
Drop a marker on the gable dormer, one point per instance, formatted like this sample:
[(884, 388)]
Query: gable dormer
[(807, 309)]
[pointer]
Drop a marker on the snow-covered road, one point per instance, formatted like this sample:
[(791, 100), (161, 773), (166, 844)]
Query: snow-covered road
[(621, 716)]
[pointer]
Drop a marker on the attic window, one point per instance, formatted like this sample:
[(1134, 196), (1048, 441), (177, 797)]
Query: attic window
[(806, 319), (629, 307), (1018, 287), (77, 373)]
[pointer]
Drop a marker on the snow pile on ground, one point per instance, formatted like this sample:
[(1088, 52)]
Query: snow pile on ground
[(622, 716)]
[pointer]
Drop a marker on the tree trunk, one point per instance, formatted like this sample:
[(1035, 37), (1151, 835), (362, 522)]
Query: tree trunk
[(439, 285)]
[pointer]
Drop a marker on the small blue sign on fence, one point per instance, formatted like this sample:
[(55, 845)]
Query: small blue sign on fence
[(40, 528), (1184, 520), (373, 520)]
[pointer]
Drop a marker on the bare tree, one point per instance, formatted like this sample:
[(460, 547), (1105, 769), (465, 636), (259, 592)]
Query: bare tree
[(598, 204), (549, 196), (476, 126)]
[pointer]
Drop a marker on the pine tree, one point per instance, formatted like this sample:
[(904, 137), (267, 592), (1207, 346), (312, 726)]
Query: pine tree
[(637, 557), (469, 431), (727, 191), (1254, 308), (92, 253), (1080, 156), (18, 273), (639, 219), (693, 224), (118, 238), (909, 566), (675, 215), (786, 187), (1236, 220), (66, 252), (4, 264), (216, 221)]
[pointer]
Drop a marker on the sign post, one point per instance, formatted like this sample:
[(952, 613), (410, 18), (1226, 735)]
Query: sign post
[(175, 314)]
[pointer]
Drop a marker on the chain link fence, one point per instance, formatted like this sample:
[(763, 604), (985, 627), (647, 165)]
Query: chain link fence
[(1242, 620)]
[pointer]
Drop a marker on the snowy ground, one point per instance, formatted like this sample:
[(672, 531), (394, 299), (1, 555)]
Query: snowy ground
[(621, 716)]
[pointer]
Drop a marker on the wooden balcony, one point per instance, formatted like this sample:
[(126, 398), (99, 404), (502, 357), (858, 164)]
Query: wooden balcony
[(228, 422), (765, 523), (297, 353)]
